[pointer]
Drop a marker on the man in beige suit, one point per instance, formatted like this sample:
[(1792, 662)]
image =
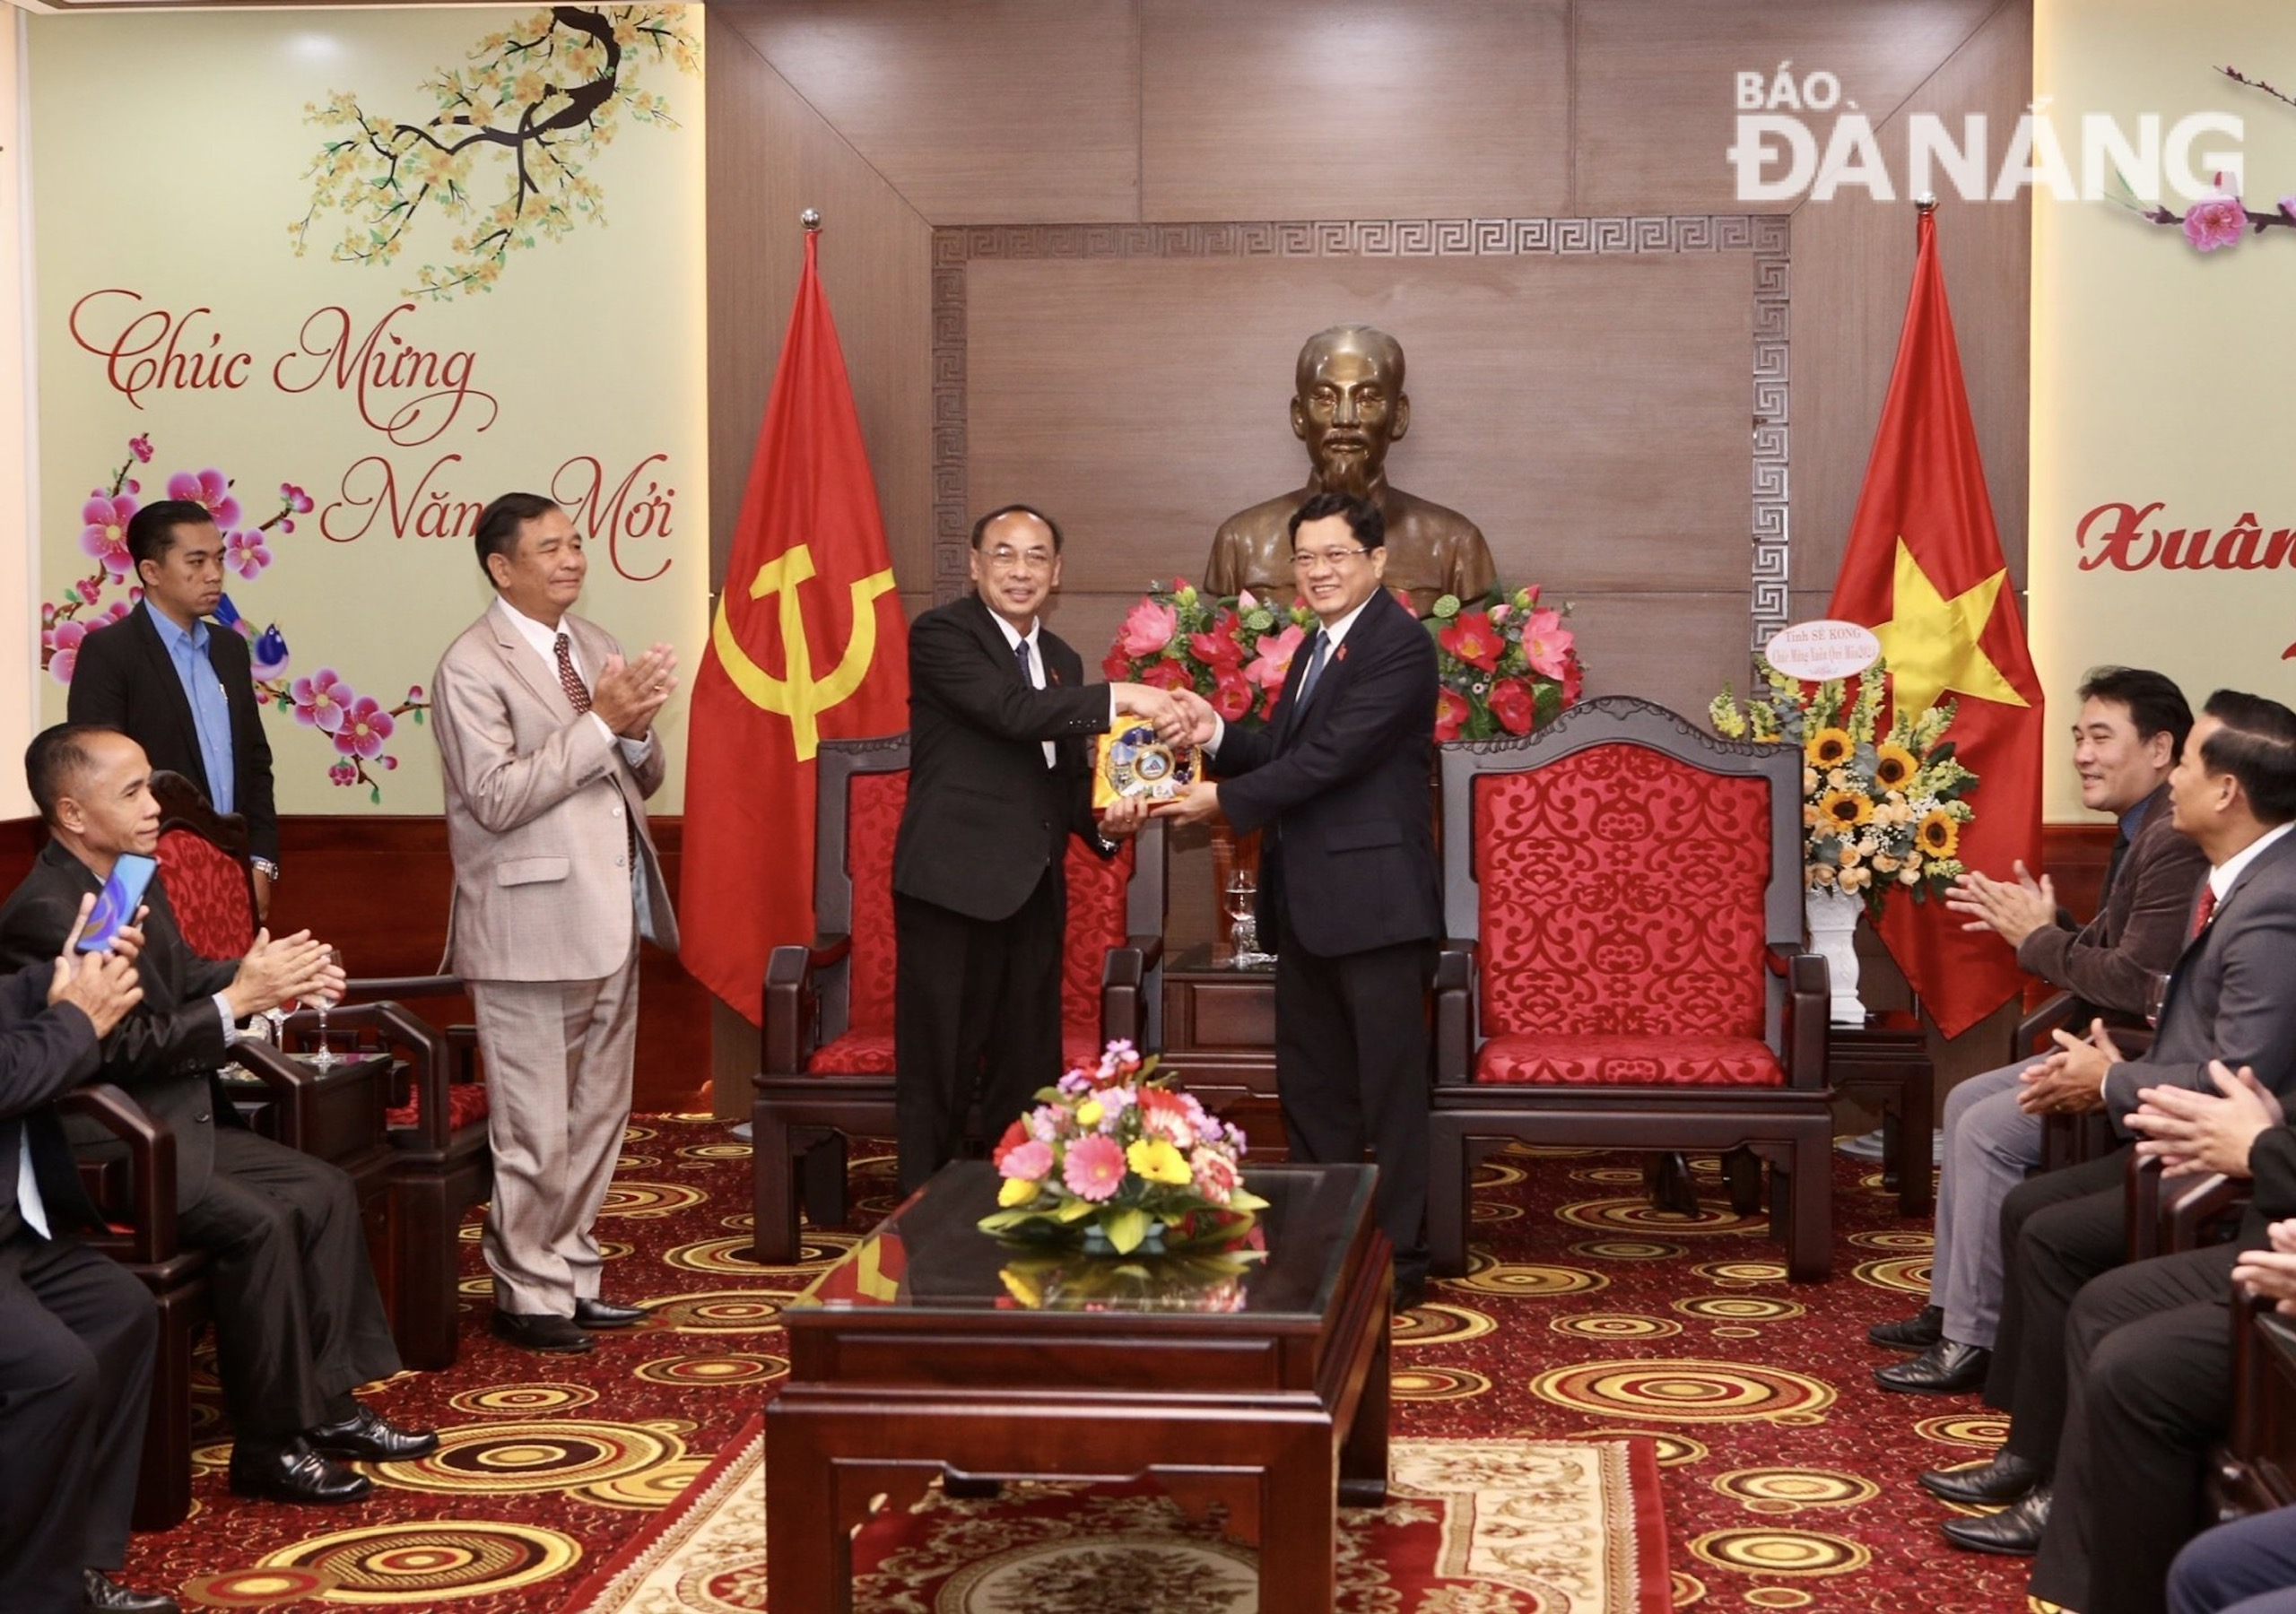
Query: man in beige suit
[(546, 736)]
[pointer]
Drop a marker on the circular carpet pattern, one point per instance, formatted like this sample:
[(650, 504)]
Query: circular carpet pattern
[(418, 1563), (1685, 1390), (256, 1588), (716, 1369), (1742, 1271), (1635, 1215), (522, 1401), (719, 1256), (1489, 1277), (549, 1455), (1984, 1428), (1435, 1384), (1434, 1323), (1629, 1249), (1907, 1274), (1790, 1489), (715, 1311), (1674, 1450), (1737, 1308), (650, 1200), (1616, 1325), (1757, 1552)]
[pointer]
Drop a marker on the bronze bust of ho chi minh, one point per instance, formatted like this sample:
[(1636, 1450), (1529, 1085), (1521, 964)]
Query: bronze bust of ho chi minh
[(1350, 404)]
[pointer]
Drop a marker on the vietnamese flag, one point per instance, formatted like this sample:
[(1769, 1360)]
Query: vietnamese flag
[(1924, 570), (808, 643)]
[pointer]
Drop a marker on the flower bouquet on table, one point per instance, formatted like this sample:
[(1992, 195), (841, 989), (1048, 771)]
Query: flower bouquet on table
[(1882, 808), (1232, 651), (1507, 665), (1204, 1280), (1115, 1157)]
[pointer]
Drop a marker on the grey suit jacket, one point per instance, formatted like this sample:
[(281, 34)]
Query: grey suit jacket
[(2233, 994), (540, 802)]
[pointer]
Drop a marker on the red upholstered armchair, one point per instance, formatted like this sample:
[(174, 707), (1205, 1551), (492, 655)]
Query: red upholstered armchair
[(827, 1059), (1626, 895)]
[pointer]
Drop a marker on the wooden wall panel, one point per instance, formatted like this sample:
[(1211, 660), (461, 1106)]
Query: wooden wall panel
[(1655, 80), (1853, 263), (1353, 109), (771, 157), (1023, 111)]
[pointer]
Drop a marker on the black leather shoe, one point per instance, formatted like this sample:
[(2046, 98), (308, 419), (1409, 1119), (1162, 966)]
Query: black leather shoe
[(1919, 1331), (1948, 1368), (366, 1436), (294, 1473), (2004, 1480), (106, 1597), (605, 1314), (2014, 1531), (1411, 1294), (540, 1331)]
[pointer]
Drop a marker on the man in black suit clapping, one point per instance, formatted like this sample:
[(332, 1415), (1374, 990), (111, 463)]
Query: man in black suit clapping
[(1349, 889)]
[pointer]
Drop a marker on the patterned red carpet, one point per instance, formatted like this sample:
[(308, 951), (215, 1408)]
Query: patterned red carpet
[(1786, 1477)]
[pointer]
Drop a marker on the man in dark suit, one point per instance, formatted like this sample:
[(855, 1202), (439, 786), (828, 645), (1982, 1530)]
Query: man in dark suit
[(76, 1330), (2227, 1007), (1349, 889), (180, 686), (299, 1322), (999, 777), (2131, 726)]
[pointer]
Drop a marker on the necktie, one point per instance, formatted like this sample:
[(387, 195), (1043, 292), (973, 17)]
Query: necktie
[(1315, 665), (577, 692), (2201, 913), (2112, 869), (1021, 655)]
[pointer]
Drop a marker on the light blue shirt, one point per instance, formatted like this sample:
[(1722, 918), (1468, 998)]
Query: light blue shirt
[(211, 714)]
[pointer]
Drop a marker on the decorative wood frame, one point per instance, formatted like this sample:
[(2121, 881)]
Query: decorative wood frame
[(1763, 236)]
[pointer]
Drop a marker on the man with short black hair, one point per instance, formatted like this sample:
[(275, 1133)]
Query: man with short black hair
[(546, 738), (999, 778), (180, 686), (1338, 780), (299, 1321), (2125, 739)]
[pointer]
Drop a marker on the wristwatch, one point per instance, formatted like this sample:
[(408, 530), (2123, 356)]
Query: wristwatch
[(266, 868)]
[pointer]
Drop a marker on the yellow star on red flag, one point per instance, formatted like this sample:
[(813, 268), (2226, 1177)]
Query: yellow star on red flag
[(1932, 643)]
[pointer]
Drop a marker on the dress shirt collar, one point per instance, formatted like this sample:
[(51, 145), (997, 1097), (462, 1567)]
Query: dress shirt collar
[(2227, 874), (1336, 632), (544, 639), (174, 635), (1013, 636)]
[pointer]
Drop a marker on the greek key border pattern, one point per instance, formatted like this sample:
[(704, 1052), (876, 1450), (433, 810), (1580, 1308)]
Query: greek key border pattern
[(1764, 237)]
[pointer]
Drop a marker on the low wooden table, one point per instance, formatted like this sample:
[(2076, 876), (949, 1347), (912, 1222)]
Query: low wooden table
[(912, 1357), (1887, 1059)]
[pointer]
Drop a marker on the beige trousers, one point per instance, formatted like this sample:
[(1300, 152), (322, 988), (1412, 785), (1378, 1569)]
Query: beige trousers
[(558, 1073)]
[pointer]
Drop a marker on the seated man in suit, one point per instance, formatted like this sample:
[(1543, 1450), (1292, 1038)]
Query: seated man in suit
[(2227, 1007), (299, 1324), (180, 686), (2131, 726), (76, 1330)]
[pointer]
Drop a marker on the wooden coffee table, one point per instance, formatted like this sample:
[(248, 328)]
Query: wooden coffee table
[(912, 1357)]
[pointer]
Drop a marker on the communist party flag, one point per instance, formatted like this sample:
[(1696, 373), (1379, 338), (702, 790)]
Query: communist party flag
[(1924, 570), (808, 643)]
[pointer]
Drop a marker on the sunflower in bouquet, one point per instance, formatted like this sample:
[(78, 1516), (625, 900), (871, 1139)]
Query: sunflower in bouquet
[(1883, 808)]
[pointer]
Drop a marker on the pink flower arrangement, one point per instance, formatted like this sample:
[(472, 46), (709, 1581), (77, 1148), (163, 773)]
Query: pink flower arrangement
[(321, 701), (1114, 1152), (210, 487), (140, 447), (1148, 629), (1507, 665), (364, 727), (244, 554), (104, 532)]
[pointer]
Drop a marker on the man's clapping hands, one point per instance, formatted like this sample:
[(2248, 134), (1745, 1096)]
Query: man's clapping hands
[(2192, 1133), (279, 970)]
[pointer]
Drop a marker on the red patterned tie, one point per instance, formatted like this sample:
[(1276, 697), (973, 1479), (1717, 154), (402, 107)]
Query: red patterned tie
[(570, 680), (2200, 915)]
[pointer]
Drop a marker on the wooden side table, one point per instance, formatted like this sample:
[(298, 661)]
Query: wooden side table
[(1219, 1040), (1887, 1060), (913, 1356)]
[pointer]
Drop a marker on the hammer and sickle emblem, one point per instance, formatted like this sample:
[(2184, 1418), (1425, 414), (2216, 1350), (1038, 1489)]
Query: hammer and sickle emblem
[(800, 697)]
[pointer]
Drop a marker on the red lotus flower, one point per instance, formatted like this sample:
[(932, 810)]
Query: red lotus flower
[(1217, 647), (1274, 658), (1512, 703), (1165, 675), (1231, 695), (1471, 639), (1574, 679), (1115, 669), (1546, 643), (1451, 712)]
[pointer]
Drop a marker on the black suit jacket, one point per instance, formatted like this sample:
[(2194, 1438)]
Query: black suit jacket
[(124, 679), (985, 815), (43, 1052), (165, 1053), (1350, 865)]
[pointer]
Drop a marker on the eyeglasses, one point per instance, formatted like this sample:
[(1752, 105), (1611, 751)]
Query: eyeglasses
[(1005, 558), (1308, 560)]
